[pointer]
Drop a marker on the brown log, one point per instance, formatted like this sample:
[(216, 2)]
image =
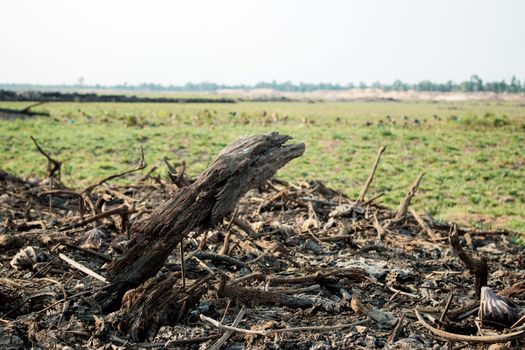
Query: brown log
[(247, 163)]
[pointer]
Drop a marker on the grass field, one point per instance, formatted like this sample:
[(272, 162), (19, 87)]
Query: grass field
[(473, 153)]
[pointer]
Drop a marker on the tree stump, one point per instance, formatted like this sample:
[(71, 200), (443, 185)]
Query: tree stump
[(245, 164)]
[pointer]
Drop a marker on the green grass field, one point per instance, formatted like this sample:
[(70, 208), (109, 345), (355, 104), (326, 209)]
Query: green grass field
[(472, 152)]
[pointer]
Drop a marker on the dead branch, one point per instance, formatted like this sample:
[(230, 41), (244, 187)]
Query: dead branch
[(81, 267), (403, 206), (243, 225), (157, 302), (490, 339), (26, 112), (178, 177), (254, 296), (228, 333), (426, 229), (361, 197), (397, 330), (517, 289), (246, 163), (142, 165), (265, 333), (221, 259), (121, 210), (478, 267), (379, 228), (317, 277), (53, 165), (447, 307)]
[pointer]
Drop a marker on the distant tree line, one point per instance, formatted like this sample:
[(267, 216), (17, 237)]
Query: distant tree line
[(474, 84)]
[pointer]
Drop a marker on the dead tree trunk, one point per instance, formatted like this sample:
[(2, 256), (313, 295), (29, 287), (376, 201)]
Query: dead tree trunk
[(246, 163), (8, 113)]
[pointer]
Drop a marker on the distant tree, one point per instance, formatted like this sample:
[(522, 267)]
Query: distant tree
[(425, 85), (397, 85), (477, 83), (515, 85), (473, 84)]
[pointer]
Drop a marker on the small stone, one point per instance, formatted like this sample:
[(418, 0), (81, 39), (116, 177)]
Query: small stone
[(313, 247), (361, 329), (498, 274), (370, 341)]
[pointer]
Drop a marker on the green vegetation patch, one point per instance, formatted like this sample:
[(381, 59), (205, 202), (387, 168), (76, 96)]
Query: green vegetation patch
[(472, 152)]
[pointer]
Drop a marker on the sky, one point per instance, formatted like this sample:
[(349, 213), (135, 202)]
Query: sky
[(243, 41)]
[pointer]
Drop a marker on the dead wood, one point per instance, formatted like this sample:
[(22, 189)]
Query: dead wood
[(247, 163), (121, 210), (157, 302), (218, 345), (516, 290), (362, 195), (142, 165), (178, 177), (489, 339), (26, 112), (300, 283), (53, 165), (403, 206), (269, 332), (254, 296), (221, 259), (320, 276), (478, 267), (426, 229), (85, 199), (243, 225), (397, 330)]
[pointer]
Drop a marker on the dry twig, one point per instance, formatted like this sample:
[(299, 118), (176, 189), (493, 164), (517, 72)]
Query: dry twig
[(486, 339), (362, 195)]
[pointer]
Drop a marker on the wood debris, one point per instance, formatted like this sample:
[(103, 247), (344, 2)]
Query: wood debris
[(286, 265)]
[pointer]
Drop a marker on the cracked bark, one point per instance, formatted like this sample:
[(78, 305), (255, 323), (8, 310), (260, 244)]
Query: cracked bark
[(245, 164)]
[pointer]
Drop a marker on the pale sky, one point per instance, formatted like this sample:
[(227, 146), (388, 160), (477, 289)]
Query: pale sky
[(244, 41)]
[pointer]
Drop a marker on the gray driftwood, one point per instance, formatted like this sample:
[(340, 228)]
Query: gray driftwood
[(245, 164)]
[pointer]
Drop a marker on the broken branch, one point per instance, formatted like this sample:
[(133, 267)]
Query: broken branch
[(403, 206), (478, 267), (371, 176), (486, 339)]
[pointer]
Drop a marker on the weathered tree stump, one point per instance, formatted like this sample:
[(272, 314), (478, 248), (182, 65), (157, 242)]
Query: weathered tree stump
[(246, 163), (158, 301)]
